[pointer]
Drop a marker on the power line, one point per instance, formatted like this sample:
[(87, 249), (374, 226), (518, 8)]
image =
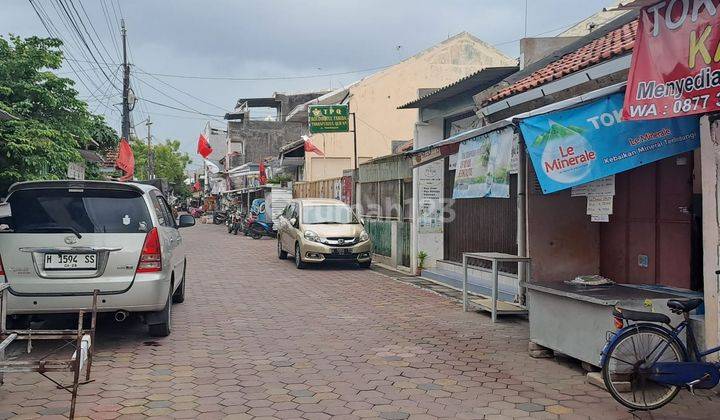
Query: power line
[(180, 90), (187, 107), (251, 79), (74, 25), (212, 116)]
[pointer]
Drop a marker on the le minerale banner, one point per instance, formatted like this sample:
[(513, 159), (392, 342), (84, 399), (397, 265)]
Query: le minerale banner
[(675, 68), (483, 166), (582, 144)]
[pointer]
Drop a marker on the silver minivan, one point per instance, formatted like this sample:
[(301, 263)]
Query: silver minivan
[(61, 240)]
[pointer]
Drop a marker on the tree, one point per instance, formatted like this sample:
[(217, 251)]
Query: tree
[(53, 123), (169, 161)]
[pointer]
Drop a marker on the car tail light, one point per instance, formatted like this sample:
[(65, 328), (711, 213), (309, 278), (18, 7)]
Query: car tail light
[(619, 324), (2, 270), (151, 255)]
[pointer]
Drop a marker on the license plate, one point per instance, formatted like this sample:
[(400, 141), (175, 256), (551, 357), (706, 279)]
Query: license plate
[(70, 261), (341, 251)]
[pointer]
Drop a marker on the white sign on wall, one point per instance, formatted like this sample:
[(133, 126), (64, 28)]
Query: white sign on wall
[(430, 198)]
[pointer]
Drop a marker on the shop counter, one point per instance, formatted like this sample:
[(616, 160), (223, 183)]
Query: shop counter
[(574, 319)]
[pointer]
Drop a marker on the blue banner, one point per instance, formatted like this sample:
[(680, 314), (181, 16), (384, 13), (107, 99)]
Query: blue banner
[(582, 144)]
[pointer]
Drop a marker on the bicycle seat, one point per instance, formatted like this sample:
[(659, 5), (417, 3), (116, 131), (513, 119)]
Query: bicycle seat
[(641, 316), (683, 305)]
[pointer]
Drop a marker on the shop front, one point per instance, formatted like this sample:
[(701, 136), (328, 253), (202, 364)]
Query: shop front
[(613, 218)]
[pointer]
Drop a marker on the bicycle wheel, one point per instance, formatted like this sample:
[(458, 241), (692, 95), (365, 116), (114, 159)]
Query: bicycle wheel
[(626, 368)]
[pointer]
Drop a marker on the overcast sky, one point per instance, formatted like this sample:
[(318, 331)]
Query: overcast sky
[(267, 38)]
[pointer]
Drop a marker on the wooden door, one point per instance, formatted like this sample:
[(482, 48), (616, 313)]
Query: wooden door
[(648, 240)]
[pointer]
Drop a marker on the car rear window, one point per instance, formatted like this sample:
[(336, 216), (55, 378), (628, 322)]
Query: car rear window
[(85, 211)]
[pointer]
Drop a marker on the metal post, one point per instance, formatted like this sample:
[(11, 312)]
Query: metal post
[(355, 140), (76, 373), (126, 86), (522, 219), (150, 157), (465, 281), (93, 322), (494, 289)]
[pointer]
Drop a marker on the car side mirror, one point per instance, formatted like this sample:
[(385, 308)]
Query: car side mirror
[(186, 221)]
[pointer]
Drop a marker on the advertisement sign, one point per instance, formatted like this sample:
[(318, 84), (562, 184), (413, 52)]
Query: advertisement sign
[(483, 166), (675, 68), (582, 144), (430, 198), (328, 119)]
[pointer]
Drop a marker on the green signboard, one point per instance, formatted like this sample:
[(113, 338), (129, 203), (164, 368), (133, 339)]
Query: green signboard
[(328, 119)]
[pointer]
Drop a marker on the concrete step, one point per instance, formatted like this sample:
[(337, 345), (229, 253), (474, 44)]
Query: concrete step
[(475, 284)]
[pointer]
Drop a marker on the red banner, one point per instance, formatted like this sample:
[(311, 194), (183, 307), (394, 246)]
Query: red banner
[(675, 67)]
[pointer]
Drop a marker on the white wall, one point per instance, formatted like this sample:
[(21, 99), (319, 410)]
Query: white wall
[(429, 132)]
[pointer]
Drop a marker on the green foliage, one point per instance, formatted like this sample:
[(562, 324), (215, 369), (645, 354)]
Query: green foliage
[(280, 179), (421, 256), (169, 161), (52, 121)]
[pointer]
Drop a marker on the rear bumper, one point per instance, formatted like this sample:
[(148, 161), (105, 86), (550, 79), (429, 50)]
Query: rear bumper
[(148, 292)]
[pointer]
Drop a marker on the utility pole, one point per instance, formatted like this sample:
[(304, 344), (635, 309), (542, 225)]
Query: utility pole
[(150, 157), (126, 86)]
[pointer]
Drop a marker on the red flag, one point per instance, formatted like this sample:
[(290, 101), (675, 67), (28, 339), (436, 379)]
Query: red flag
[(309, 147), (197, 186), (203, 147), (263, 174), (125, 160)]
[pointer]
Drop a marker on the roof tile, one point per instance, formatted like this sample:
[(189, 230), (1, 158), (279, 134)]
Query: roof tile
[(614, 43)]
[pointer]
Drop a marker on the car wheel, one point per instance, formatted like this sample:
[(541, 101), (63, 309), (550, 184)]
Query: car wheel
[(299, 263), (161, 325), (365, 264), (281, 254), (179, 295)]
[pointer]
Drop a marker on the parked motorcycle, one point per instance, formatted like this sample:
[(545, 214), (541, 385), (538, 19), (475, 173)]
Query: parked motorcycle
[(247, 223), (219, 217), (235, 221), (260, 228), (195, 212)]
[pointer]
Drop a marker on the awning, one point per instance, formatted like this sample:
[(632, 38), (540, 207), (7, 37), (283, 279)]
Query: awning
[(450, 145)]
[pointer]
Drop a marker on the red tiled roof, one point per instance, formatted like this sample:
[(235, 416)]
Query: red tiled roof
[(614, 43)]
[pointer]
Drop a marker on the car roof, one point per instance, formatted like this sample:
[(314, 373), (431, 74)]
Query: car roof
[(81, 184), (320, 201)]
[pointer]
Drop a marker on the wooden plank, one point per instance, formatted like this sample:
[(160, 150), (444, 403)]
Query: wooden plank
[(7, 342)]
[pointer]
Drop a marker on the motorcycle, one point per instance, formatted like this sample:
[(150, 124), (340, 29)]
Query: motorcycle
[(196, 212), (235, 221), (246, 222), (219, 217), (259, 228)]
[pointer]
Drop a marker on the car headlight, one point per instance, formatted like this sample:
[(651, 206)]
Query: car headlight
[(364, 236), (311, 236)]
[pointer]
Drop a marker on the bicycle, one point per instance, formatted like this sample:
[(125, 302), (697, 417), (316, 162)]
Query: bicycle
[(645, 363)]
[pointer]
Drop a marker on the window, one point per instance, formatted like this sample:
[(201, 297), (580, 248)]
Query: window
[(170, 218), (160, 211), (328, 214), (86, 211)]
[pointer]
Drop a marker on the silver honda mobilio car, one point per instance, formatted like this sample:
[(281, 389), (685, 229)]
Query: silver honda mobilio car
[(61, 240)]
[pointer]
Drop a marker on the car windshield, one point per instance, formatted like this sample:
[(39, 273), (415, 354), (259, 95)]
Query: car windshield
[(328, 214), (82, 211)]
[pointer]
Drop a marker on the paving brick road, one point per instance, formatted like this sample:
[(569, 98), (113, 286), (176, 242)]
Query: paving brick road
[(258, 338)]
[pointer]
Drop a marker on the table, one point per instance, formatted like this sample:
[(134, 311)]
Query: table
[(494, 258)]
